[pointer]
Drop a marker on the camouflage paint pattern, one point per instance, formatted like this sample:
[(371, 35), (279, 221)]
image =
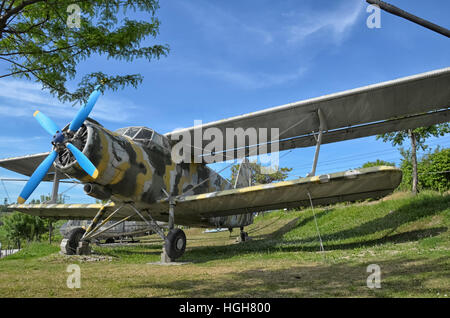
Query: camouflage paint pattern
[(142, 171)]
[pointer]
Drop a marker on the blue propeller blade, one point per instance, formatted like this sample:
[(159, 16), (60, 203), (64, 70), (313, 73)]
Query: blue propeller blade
[(46, 123), (83, 161), (84, 111), (37, 177)]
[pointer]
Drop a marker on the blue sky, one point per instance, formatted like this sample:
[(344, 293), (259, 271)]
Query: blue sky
[(233, 57)]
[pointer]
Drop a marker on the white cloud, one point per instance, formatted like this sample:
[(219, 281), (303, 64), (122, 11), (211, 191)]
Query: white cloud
[(252, 80), (21, 98), (220, 24), (337, 22)]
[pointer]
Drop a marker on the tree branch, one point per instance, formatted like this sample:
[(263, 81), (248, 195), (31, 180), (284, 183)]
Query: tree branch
[(12, 31)]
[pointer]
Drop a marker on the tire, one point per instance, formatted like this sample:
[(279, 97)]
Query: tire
[(109, 240), (175, 244), (74, 237), (244, 236)]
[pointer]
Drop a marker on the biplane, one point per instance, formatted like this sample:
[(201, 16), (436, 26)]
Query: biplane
[(133, 169)]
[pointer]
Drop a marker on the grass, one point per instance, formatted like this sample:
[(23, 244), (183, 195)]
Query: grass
[(408, 237)]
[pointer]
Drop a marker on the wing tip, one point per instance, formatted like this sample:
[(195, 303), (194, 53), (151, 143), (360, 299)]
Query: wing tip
[(35, 113), (20, 200)]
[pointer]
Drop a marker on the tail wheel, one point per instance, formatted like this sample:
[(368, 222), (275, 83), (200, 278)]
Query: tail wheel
[(74, 237), (175, 244)]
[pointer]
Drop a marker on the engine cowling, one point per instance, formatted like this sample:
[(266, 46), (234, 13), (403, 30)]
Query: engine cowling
[(125, 167)]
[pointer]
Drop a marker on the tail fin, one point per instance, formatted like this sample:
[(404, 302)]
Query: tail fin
[(244, 175)]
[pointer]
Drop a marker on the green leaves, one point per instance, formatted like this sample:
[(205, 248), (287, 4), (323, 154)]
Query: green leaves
[(433, 170), (377, 163), (20, 226), (261, 178), (421, 133), (37, 43)]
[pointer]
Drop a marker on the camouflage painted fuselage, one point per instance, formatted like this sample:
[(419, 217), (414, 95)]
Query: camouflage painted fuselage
[(142, 172)]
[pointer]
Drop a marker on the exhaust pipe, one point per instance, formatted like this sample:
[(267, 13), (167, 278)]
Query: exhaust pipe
[(97, 191)]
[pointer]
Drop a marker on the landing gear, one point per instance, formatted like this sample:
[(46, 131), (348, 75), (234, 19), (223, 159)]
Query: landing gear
[(175, 243), (243, 236), (109, 240), (73, 240)]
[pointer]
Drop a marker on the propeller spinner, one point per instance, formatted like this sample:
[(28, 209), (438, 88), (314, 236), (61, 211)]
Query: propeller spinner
[(60, 141)]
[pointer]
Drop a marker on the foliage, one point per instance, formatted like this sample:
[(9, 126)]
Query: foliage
[(417, 137), (433, 169), (421, 134), (37, 42), (436, 170), (23, 227), (377, 163), (258, 177), (19, 226)]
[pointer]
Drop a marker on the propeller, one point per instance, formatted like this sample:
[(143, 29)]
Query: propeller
[(60, 141)]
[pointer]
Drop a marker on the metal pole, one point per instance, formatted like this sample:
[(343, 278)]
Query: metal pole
[(316, 155), (406, 15), (322, 127), (171, 214), (55, 188)]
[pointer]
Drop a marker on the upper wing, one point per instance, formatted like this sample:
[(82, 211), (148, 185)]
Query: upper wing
[(26, 165), (410, 102), (196, 210)]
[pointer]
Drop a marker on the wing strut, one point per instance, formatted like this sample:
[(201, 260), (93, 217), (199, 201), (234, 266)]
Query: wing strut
[(55, 187), (322, 128)]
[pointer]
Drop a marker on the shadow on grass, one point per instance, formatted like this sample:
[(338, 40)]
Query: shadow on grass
[(419, 208), (401, 277), (127, 251), (410, 212), (206, 254)]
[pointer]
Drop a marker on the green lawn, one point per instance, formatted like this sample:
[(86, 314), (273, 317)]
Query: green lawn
[(408, 237)]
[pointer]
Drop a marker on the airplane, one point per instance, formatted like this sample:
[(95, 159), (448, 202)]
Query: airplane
[(109, 232), (135, 170)]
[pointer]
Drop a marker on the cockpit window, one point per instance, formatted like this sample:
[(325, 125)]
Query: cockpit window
[(144, 135), (136, 133)]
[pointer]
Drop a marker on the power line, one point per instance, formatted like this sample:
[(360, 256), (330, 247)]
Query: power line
[(6, 191), (356, 157)]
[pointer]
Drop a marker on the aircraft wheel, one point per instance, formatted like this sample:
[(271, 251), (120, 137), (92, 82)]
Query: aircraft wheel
[(74, 238), (175, 243), (109, 240)]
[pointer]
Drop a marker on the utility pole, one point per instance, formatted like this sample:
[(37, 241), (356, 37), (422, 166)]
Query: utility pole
[(406, 15)]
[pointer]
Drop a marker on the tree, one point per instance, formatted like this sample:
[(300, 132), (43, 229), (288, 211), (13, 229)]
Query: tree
[(3, 207), (377, 163), (49, 221), (20, 226), (258, 177), (38, 41), (417, 138), (433, 169)]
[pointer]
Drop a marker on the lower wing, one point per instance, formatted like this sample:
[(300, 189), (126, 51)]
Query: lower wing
[(196, 210)]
